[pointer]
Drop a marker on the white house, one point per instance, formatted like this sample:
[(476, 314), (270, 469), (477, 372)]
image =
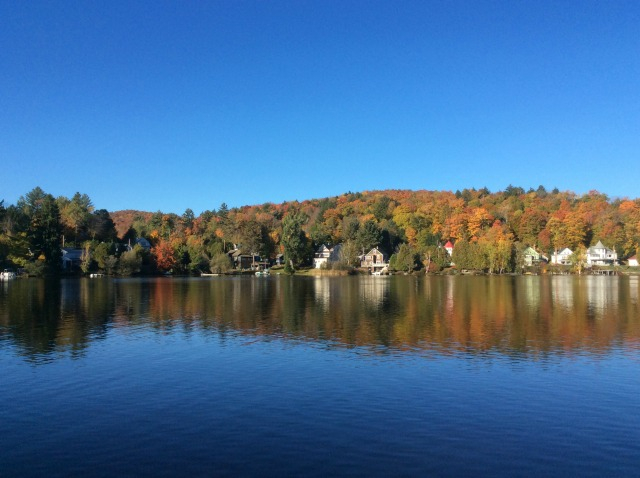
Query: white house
[(633, 261), (321, 256), (599, 255), (449, 248), (562, 257), (325, 255)]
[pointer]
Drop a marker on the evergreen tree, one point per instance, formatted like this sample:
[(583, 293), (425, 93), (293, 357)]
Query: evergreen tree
[(294, 239), (45, 231), (368, 236)]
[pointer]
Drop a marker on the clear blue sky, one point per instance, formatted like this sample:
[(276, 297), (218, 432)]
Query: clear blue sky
[(164, 105)]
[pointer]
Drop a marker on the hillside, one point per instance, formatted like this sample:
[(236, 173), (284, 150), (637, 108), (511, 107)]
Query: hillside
[(537, 217), (124, 219)]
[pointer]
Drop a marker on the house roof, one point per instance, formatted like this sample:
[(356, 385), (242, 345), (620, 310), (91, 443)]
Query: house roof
[(633, 258), (599, 245), (143, 242), (71, 254), (448, 245)]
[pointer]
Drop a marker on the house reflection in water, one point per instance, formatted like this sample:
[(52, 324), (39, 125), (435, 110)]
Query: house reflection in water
[(562, 291), (374, 289), (601, 293), (634, 284)]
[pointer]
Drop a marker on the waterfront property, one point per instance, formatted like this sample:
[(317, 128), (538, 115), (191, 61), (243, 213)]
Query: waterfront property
[(374, 260), (7, 274), (533, 257), (325, 256), (599, 255), (562, 258), (243, 261), (71, 259), (449, 248)]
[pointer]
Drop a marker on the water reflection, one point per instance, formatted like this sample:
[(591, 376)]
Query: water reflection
[(507, 315)]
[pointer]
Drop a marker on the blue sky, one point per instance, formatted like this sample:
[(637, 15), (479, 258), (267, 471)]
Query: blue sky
[(173, 105)]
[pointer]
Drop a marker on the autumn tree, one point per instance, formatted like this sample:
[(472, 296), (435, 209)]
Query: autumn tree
[(75, 215), (579, 258), (164, 254)]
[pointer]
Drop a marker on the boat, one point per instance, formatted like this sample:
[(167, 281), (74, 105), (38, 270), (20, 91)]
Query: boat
[(263, 273), (7, 274)]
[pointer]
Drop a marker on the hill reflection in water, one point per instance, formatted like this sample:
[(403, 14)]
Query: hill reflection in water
[(445, 315)]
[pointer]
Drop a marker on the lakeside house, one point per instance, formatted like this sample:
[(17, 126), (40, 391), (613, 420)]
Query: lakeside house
[(562, 258), (71, 259), (374, 260), (599, 255), (633, 261), (144, 243), (139, 241), (326, 255), (533, 257), (449, 248), (242, 260)]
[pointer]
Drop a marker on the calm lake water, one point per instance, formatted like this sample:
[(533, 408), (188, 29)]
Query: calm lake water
[(303, 376)]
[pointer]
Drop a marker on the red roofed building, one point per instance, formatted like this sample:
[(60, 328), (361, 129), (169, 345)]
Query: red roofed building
[(449, 248)]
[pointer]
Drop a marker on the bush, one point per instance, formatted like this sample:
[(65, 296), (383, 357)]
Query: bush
[(220, 264), (35, 268), (130, 263)]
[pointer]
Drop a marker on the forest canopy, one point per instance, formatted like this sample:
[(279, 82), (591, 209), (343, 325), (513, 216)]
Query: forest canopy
[(493, 224)]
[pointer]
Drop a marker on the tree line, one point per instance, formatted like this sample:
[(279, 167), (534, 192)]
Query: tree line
[(489, 229)]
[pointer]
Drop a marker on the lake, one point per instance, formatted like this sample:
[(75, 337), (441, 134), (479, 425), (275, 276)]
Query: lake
[(320, 376)]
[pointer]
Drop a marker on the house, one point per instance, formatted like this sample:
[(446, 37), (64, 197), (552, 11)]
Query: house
[(242, 260), (144, 243), (324, 255), (71, 259), (533, 257), (562, 257), (633, 261), (449, 248), (321, 256), (141, 241), (374, 260), (599, 255)]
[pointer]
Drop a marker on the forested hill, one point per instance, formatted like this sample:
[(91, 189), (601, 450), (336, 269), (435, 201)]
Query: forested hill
[(539, 218), (489, 230), (123, 220)]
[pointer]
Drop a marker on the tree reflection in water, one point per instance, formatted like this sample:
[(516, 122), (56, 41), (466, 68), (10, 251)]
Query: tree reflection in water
[(445, 315)]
